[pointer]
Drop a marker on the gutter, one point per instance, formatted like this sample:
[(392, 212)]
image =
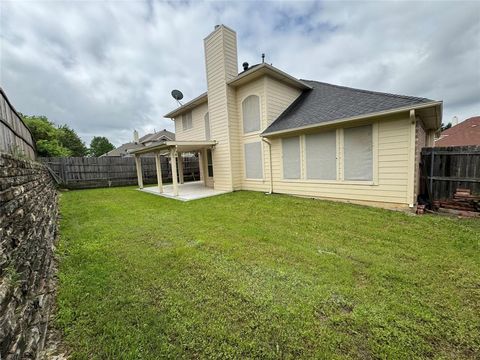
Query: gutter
[(271, 170), (353, 118)]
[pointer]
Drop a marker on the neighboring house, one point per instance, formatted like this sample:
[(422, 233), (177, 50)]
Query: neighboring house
[(265, 130), (465, 133), (140, 143)]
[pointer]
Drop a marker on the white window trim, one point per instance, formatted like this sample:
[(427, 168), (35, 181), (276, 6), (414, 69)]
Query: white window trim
[(245, 162), (260, 104), (340, 161)]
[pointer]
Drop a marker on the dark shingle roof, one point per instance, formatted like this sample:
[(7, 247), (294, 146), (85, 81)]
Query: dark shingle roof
[(327, 102), (160, 135)]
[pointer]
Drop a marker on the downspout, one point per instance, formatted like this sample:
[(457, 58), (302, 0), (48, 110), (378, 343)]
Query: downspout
[(270, 156)]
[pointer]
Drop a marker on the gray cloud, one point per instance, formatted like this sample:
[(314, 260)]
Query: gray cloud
[(106, 68)]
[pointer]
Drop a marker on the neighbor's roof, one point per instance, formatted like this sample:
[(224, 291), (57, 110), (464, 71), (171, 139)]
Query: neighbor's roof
[(325, 103), (157, 136), (154, 138), (122, 149), (465, 133)]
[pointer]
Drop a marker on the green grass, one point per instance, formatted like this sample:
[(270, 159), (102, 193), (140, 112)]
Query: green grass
[(248, 275)]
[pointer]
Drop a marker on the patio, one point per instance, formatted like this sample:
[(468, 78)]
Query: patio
[(188, 191)]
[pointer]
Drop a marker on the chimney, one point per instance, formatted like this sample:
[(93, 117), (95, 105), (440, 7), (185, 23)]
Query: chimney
[(135, 136), (221, 66)]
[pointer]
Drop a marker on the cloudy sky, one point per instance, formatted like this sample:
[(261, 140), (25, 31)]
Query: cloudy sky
[(107, 68)]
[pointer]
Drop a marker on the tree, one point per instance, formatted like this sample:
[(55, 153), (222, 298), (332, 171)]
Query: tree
[(445, 127), (100, 145), (41, 127), (69, 139), (46, 136), (53, 141), (52, 148)]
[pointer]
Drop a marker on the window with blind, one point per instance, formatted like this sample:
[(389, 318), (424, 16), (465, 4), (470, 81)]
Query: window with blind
[(358, 153), (321, 155), (187, 121), (207, 126), (251, 114), (253, 160), (291, 158), (209, 163)]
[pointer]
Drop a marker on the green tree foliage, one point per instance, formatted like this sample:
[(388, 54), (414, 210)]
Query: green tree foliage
[(69, 139), (52, 148), (100, 145), (53, 141), (445, 127)]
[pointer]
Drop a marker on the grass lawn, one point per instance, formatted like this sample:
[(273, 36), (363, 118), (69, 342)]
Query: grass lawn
[(248, 275)]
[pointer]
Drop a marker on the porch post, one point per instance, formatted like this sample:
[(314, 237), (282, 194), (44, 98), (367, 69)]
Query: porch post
[(173, 163), (138, 165), (180, 167), (159, 172), (200, 165)]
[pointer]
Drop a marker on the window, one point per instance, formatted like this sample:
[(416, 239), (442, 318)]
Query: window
[(253, 160), (321, 155), (207, 126), (251, 114), (187, 121), (209, 163), (291, 158), (358, 153)]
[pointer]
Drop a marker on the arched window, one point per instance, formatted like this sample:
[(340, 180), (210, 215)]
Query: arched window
[(207, 126), (251, 114)]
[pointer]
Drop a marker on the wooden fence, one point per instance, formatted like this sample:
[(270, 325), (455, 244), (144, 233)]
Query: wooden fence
[(15, 137), (444, 169), (107, 171)]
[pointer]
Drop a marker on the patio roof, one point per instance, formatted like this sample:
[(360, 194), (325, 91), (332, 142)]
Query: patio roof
[(181, 146)]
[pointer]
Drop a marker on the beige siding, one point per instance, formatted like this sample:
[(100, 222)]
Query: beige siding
[(221, 66), (275, 97), (279, 97), (197, 132), (391, 162)]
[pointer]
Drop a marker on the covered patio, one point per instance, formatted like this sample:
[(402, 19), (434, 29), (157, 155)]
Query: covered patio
[(174, 150)]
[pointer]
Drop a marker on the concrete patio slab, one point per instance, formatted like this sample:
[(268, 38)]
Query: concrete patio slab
[(188, 191)]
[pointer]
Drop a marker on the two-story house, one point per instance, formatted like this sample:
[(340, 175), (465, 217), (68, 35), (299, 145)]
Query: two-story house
[(265, 130)]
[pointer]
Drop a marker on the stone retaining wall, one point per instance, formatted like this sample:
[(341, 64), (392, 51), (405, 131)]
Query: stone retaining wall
[(28, 227)]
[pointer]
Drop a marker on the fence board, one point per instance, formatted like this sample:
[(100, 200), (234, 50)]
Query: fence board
[(453, 167), (15, 137), (107, 171)]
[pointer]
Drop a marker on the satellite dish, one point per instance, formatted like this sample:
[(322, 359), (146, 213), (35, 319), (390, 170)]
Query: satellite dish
[(177, 95)]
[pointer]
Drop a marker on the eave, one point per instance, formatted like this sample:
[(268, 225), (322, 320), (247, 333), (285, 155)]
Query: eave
[(187, 106), (266, 69)]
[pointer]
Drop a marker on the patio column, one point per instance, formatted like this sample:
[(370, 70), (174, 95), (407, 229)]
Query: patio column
[(173, 163), (180, 167), (159, 172), (138, 165), (200, 165)]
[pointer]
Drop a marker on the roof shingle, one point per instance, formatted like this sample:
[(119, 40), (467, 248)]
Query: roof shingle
[(327, 102)]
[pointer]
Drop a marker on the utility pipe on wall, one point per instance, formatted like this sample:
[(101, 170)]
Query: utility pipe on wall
[(270, 156)]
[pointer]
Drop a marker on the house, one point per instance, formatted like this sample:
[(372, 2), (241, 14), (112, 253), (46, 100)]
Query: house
[(265, 130), (465, 133), (139, 143)]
